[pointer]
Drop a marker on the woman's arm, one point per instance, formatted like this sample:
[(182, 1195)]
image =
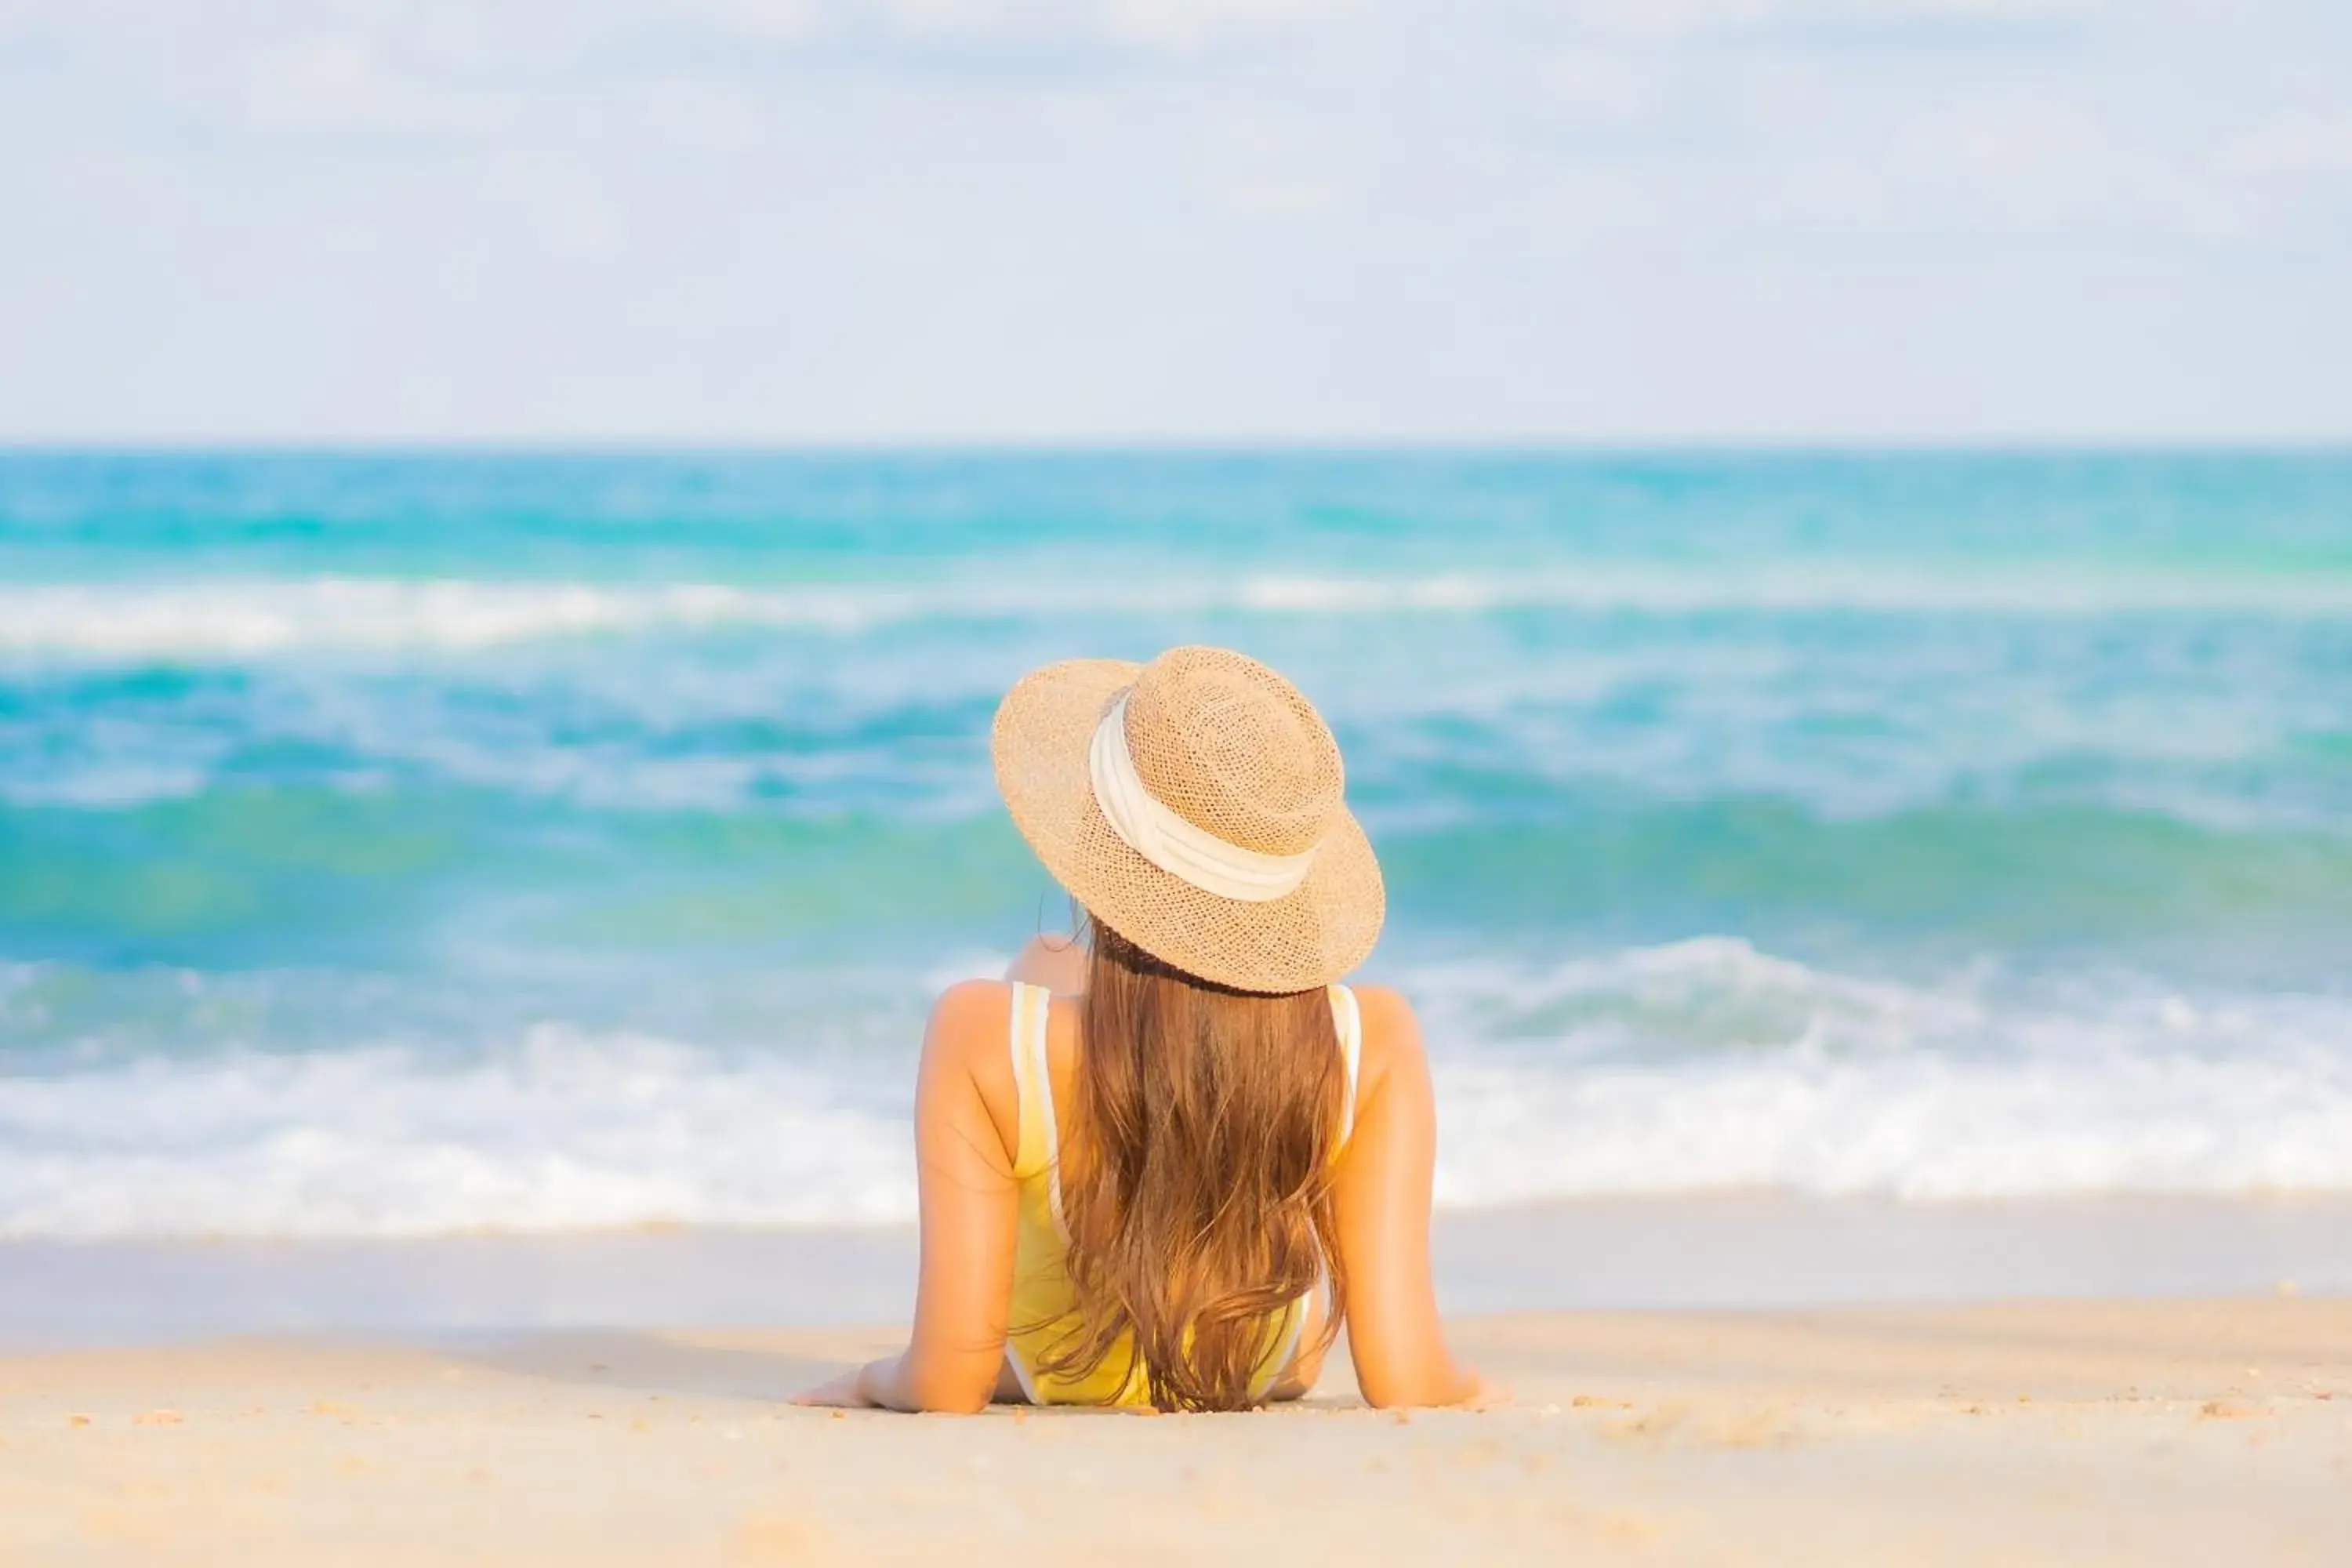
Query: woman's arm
[(1383, 1200), (969, 1212)]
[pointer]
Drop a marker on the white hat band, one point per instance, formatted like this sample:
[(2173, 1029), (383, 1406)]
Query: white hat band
[(1184, 851)]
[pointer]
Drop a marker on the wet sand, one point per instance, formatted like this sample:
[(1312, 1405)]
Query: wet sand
[(1722, 1250), (2074, 1432)]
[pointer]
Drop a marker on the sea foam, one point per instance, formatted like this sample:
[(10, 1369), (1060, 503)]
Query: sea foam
[(244, 617), (1688, 1067)]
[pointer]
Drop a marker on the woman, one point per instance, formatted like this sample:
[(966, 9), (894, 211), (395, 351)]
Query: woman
[(1161, 1170)]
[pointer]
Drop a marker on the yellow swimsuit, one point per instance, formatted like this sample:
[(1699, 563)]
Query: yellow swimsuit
[(1043, 1298)]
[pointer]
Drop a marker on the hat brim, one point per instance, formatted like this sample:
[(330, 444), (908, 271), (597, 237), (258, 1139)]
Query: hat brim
[(1309, 937)]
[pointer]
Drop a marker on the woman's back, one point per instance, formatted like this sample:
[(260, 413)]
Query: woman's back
[(970, 1140), (1045, 1051)]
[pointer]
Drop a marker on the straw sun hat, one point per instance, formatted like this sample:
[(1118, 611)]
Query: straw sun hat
[(1192, 804)]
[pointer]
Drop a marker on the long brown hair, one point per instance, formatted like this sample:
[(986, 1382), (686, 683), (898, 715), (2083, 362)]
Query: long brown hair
[(1196, 1173)]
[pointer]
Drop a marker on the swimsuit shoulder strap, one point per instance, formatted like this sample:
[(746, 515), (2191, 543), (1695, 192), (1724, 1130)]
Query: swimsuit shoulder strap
[(1028, 1005), (1347, 1019), (1032, 1013)]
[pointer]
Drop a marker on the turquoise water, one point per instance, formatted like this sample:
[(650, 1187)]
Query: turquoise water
[(398, 843)]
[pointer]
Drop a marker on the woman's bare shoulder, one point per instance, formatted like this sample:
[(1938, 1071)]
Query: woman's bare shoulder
[(1056, 962), (1391, 1032), (970, 1008), (968, 1040)]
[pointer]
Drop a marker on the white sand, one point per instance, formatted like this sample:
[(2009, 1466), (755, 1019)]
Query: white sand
[(2145, 1432)]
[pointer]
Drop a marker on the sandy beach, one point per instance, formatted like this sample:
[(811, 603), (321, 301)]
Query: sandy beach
[(2059, 1432)]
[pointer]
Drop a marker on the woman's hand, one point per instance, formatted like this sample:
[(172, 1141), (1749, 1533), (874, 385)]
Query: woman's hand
[(846, 1392), (1480, 1395)]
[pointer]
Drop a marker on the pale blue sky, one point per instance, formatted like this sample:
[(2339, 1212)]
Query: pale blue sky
[(813, 220)]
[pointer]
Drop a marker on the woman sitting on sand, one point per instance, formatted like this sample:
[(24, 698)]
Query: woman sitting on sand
[(1160, 1170)]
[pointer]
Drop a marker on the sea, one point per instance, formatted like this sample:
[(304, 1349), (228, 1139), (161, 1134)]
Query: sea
[(399, 844)]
